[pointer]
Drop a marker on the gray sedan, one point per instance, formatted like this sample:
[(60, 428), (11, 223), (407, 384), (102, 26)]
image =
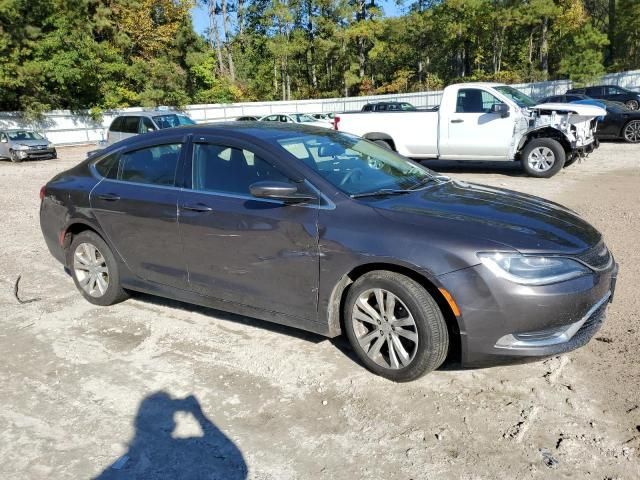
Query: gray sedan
[(18, 145)]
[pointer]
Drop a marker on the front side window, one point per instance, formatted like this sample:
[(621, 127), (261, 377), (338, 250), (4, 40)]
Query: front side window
[(353, 164), (171, 120), (146, 125), (219, 168), (473, 100), (153, 165), (3, 137)]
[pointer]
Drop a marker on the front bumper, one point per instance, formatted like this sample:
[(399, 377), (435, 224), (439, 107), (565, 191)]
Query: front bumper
[(502, 322), (36, 154)]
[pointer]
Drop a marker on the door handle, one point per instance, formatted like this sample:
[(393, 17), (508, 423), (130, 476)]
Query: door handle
[(457, 120), (109, 197), (197, 207)]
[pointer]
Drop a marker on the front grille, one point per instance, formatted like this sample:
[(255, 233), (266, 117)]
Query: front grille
[(598, 257)]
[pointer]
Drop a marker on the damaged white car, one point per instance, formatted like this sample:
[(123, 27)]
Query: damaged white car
[(485, 121)]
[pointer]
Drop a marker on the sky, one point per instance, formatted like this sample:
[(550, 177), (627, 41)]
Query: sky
[(201, 22)]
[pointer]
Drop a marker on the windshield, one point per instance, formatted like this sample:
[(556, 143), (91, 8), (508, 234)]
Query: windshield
[(354, 165), (172, 120), (522, 100), (24, 135), (303, 118)]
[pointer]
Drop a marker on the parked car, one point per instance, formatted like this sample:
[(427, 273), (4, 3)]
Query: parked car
[(131, 124), (328, 232), (389, 107), (611, 92), (327, 117), (296, 118), (620, 122), (485, 121), (247, 118), (18, 145)]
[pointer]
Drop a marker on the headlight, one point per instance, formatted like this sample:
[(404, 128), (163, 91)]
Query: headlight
[(532, 270), (22, 147)]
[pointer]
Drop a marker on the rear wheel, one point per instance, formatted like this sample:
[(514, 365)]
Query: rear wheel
[(95, 270), (383, 144), (631, 132), (632, 104), (395, 327), (543, 157)]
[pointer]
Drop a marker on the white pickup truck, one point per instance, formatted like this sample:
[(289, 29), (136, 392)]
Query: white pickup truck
[(485, 121)]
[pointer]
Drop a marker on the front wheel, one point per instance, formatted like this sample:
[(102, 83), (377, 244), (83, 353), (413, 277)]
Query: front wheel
[(543, 157), (395, 327), (631, 132), (95, 269), (14, 157)]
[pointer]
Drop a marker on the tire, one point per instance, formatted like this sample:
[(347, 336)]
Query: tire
[(632, 104), (14, 157), (570, 161), (543, 157), (631, 132), (105, 292), (383, 144), (416, 314)]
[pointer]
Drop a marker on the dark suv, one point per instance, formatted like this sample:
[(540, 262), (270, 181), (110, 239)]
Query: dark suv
[(611, 92), (389, 107)]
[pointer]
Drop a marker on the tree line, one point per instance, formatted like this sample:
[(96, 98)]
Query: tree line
[(105, 54)]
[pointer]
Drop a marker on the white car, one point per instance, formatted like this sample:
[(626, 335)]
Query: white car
[(302, 118), (485, 121)]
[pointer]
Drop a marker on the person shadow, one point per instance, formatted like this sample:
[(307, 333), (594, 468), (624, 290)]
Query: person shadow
[(159, 451)]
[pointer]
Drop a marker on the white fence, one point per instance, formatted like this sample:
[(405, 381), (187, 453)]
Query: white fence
[(66, 128)]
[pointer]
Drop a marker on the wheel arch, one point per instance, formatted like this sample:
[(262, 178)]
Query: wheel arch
[(77, 226), (546, 132), (429, 283), (373, 136)]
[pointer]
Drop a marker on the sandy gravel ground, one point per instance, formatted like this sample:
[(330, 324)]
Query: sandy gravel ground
[(156, 389)]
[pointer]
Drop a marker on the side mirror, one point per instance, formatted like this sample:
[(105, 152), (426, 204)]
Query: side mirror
[(283, 191), (500, 108)]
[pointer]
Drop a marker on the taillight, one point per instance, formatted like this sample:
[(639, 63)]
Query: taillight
[(336, 121), (42, 189)]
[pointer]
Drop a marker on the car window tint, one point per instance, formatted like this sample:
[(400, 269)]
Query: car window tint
[(130, 124), (116, 125), (154, 165), (108, 166), (218, 168), (472, 100), (146, 124)]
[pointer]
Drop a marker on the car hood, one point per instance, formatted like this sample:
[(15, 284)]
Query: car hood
[(575, 108), (522, 222)]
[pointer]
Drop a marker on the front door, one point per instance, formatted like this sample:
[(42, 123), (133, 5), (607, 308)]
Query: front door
[(242, 249), (136, 206), (473, 132)]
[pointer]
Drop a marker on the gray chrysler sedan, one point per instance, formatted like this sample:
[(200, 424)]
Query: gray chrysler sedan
[(327, 232)]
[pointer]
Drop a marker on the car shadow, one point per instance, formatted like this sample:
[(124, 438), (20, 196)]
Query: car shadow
[(510, 169), (231, 317), (158, 451)]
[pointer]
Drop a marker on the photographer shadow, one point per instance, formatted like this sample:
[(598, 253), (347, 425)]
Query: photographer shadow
[(159, 451)]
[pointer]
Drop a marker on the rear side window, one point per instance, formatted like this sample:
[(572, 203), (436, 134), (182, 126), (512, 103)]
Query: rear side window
[(218, 168), (594, 91), (116, 125), (146, 125), (154, 165), (130, 124), (108, 166)]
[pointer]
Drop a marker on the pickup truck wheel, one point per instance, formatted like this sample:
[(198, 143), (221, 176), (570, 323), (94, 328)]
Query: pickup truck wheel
[(543, 157), (383, 144)]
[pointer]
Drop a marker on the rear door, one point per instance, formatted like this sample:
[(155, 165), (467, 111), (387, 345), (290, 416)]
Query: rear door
[(130, 127), (242, 249), (136, 206), (473, 131)]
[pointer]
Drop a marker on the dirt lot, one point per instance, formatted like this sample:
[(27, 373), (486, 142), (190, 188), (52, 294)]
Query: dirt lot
[(157, 389)]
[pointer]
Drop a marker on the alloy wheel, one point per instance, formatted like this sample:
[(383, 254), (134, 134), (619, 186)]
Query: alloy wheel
[(91, 269), (541, 159), (632, 131), (385, 328), (632, 104)]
